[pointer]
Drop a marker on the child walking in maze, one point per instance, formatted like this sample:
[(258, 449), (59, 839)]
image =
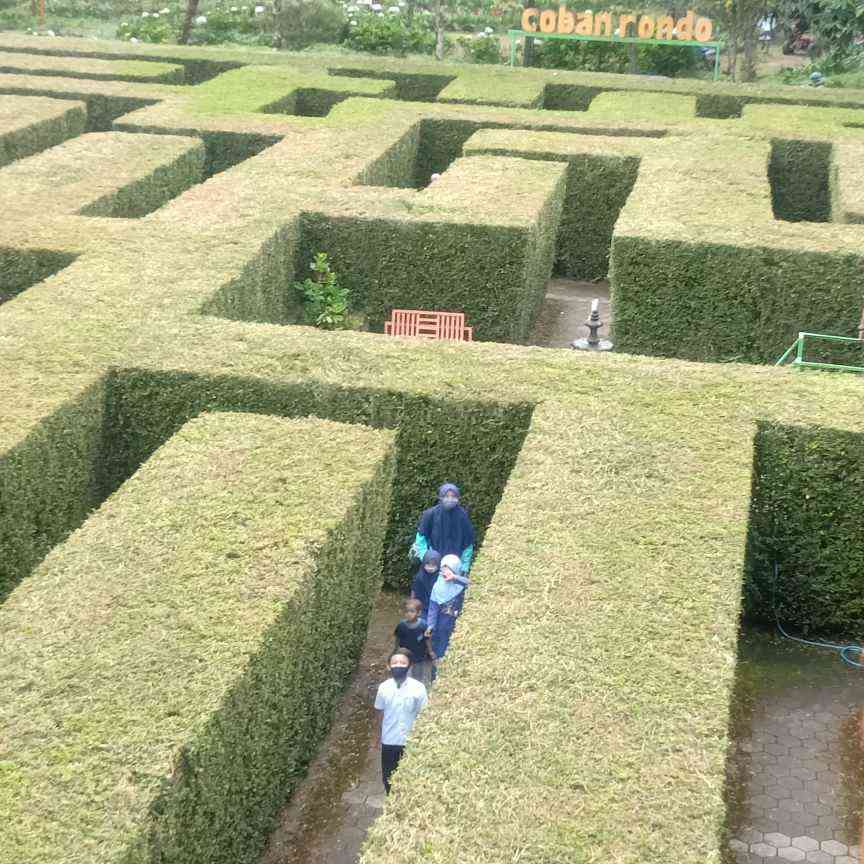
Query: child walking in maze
[(410, 636), (400, 699), (445, 604), (424, 579)]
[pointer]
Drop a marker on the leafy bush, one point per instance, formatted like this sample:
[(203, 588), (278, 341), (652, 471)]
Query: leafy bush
[(301, 23), (217, 24), (588, 56), (831, 65), (668, 61), (389, 34), (483, 48), (326, 300), (607, 57), (157, 27)]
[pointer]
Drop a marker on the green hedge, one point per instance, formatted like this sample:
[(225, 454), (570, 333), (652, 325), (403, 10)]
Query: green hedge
[(626, 508), (105, 70), (713, 302), (494, 272), (598, 186), (19, 269), (806, 517), (799, 173), (137, 174), (49, 482), (191, 645), (471, 442), (702, 270), (29, 125)]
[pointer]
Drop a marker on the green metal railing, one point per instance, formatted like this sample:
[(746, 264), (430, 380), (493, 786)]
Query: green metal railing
[(798, 348)]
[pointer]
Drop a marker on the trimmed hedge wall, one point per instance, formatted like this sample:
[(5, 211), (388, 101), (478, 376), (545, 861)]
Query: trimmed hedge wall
[(49, 483), (799, 172), (29, 125), (105, 70), (806, 516), (471, 442), (104, 174), (495, 272), (19, 269), (626, 509), (185, 644), (598, 186)]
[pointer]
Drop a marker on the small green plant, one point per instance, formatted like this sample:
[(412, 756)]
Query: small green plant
[(326, 301)]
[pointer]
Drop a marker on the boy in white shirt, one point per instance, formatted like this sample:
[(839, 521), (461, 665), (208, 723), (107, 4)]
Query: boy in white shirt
[(399, 699)]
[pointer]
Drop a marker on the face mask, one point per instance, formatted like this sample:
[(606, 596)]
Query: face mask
[(431, 569), (399, 673), (449, 503)]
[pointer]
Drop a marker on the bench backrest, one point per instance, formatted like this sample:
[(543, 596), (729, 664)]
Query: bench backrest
[(428, 325)]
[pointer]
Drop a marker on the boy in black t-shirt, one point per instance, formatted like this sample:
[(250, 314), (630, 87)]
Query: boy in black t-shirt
[(411, 636)]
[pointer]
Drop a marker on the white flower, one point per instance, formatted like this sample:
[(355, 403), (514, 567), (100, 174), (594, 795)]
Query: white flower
[(51, 33), (433, 178), (145, 14), (376, 7), (352, 23), (234, 9), (155, 14), (394, 9), (122, 24), (488, 31), (259, 10), (165, 11), (201, 19), (134, 40)]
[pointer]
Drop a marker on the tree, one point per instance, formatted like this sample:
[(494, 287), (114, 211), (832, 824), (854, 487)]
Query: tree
[(740, 21), (834, 24), (188, 21)]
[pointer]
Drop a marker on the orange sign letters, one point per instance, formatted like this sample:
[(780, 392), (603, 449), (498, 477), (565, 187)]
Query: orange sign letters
[(589, 23)]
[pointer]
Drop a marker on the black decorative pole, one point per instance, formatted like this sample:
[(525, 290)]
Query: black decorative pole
[(593, 342)]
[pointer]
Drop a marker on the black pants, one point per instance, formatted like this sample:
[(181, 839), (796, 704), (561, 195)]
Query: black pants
[(390, 756)]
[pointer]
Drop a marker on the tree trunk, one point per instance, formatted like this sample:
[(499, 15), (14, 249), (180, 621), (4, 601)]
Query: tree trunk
[(439, 29), (632, 60), (732, 57), (748, 65), (188, 21)]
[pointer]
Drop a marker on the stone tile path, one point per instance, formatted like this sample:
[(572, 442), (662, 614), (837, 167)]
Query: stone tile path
[(798, 764), (565, 310)]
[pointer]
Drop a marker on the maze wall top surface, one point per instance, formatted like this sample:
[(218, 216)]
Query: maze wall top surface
[(137, 652), (582, 714)]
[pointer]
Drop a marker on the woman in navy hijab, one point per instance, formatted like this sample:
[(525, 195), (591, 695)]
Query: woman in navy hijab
[(446, 528)]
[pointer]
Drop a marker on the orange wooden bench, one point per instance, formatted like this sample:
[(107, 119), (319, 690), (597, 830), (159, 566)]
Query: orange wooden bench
[(429, 325)]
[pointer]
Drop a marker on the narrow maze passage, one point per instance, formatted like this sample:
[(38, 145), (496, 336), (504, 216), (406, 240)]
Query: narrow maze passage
[(328, 816)]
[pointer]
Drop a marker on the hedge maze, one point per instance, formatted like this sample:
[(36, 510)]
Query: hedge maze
[(191, 483)]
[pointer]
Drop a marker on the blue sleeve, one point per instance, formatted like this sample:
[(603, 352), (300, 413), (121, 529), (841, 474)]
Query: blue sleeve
[(467, 555), (421, 544), (432, 618)]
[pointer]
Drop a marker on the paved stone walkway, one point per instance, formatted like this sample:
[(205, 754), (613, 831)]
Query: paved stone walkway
[(565, 310), (798, 764)]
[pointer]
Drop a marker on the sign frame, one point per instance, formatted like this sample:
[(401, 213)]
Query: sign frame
[(515, 35)]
